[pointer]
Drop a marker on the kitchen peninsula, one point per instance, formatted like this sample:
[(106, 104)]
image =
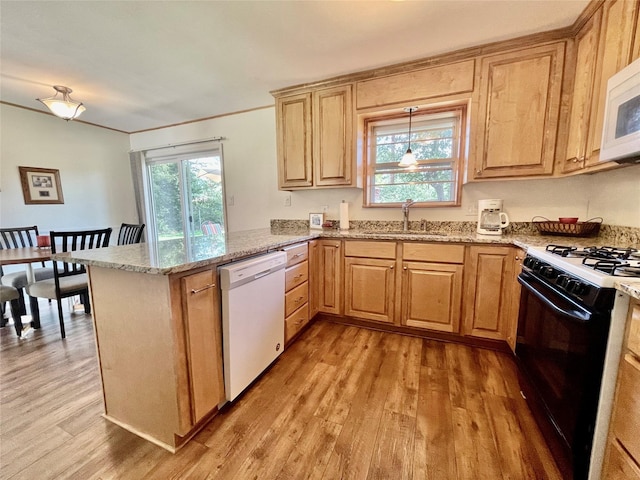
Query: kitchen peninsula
[(159, 345)]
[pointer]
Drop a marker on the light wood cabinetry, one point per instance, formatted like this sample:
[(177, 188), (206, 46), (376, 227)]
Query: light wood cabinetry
[(488, 291), (369, 280), (431, 293), (296, 299), (167, 390), (512, 317), (515, 128), (416, 85), (314, 272), (603, 46), (330, 276), (316, 139), (622, 456)]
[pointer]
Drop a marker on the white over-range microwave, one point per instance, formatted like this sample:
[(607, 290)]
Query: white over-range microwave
[(621, 132)]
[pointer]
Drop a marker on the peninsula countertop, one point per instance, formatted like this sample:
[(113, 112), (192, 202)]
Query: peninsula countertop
[(174, 256)]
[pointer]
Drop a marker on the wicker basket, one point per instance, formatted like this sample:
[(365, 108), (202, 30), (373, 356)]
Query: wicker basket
[(579, 229)]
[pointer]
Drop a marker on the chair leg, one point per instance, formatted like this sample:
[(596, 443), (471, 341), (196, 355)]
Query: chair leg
[(86, 302), (23, 306), (15, 313), (3, 320), (60, 317), (35, 312)]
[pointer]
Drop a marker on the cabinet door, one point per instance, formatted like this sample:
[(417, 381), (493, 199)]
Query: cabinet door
[(518, 108), (613, 55), (333, 136), (293, 120), (201, 306), (432, 296), (330, 276), (586, 48), (512, 318), (369, 286), (314, 277), (488, 291)]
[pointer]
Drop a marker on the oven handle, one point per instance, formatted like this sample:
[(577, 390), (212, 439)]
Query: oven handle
[(543, 294)]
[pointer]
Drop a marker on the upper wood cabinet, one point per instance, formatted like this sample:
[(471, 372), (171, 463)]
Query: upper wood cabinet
[(316, 139), (603, 47), (489, 290), (515, 127)]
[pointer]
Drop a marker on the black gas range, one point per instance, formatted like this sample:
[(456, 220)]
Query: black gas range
[(563, 328)]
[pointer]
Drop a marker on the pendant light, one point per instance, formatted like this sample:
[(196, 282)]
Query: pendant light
[(409, 159), (63, 106)]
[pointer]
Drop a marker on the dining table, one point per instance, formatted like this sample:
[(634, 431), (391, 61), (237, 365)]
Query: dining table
[(26, 256)]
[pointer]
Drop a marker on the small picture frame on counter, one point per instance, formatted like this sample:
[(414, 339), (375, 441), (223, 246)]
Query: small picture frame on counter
[(316, 220)]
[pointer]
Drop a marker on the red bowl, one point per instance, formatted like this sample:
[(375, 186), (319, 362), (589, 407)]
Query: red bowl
[(568, 219)]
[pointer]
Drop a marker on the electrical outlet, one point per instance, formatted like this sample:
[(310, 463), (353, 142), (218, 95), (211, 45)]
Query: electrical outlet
[(287, 200), (325, 208), (472, 210), (230, 201)]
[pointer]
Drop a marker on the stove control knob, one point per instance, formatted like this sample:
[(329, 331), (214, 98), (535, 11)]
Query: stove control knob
[(581, 289), (562, 280), (549, 272), (529, 261)]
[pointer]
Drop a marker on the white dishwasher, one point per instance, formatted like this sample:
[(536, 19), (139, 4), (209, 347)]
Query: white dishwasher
[(252, 318)]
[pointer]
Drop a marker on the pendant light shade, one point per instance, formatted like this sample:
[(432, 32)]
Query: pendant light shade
[(409, 159), (63, 106)]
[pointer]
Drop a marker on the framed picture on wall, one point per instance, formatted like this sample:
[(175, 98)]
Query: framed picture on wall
[(41, 185)]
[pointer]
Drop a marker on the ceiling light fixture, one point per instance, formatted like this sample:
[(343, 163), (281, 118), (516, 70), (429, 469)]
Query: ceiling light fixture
[(63, 107), (409, 159)]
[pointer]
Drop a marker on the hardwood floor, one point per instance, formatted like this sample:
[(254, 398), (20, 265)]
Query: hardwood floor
[(341, 403)]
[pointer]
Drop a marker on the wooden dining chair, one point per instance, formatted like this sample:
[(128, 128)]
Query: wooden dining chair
[(130, 233), (11, 295), (21, 237), (70, 279)]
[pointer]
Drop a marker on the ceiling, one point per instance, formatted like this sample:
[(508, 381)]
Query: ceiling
[(140, 65)]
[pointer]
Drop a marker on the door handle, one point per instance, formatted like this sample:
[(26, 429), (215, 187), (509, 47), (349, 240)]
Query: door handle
[(206, 287)]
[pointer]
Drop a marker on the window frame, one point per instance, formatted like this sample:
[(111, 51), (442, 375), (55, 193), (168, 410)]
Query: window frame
[(368, 155)]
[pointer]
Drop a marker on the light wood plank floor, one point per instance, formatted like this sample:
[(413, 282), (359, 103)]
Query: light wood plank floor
[(341, 403)]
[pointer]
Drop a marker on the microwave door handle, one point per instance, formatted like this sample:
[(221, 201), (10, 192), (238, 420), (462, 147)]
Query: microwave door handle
[(536, 290)]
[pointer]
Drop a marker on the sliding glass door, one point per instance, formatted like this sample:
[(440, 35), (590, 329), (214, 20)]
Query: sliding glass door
[(185, 195)]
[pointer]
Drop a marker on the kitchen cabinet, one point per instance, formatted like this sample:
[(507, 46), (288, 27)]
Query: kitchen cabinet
[(330, 276), (622, 455), (296, 304), (314, 270), (512, 317), (369, 280), (515, 128), (603, 47), (416, 85), (489, 290), (166, 391), (431, 293), (315, 139)]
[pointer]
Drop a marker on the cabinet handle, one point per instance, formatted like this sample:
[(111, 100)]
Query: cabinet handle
[(404, 268), (300, 275), (391, 267), (478, 172), (337, 245), (297, 300), (206, 287), (298, 255), (517, 257)]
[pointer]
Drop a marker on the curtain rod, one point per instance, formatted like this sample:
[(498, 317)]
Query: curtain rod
[(173, 145)]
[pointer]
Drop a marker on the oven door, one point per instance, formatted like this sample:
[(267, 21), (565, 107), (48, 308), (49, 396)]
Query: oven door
[(561, 347)]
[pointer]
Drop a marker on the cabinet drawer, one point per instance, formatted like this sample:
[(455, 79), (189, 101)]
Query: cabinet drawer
[(370, 249), (296, 298), (430, 252), (296, 254), (633, 342), (295, 322), (626, 421), (296, 275)]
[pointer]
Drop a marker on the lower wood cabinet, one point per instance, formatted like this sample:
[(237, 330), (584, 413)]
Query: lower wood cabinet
[(296, 298), (489, 290), (369, 286), (432, 296), (314, 272), (330, 276), (622, 456), (167, 390)]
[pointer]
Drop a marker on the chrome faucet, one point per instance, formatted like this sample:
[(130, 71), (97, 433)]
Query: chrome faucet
[(405, 213)]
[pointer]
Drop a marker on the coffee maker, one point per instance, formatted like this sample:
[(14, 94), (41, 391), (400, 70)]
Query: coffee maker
[(491, 218)]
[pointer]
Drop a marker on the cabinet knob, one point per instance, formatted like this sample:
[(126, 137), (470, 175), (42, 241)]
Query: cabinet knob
[(517, 257), (478, 172), (391, 266), (337, 245), (404, 268)]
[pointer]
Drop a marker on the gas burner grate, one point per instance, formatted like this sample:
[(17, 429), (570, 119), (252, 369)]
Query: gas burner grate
[(561, 250), (600, 253)]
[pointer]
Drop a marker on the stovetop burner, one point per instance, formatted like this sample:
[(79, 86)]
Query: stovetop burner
[(599, 253)]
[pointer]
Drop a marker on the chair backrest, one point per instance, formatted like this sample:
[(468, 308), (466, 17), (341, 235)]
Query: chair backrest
[(130, 233), (18, 237), (77, 240), (210, 228)]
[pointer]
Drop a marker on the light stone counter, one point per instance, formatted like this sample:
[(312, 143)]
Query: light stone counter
[(629, 286), (174, 256)]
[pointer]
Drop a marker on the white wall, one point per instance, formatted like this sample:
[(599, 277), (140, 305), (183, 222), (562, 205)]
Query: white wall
[(251, 178), (94, 172)]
